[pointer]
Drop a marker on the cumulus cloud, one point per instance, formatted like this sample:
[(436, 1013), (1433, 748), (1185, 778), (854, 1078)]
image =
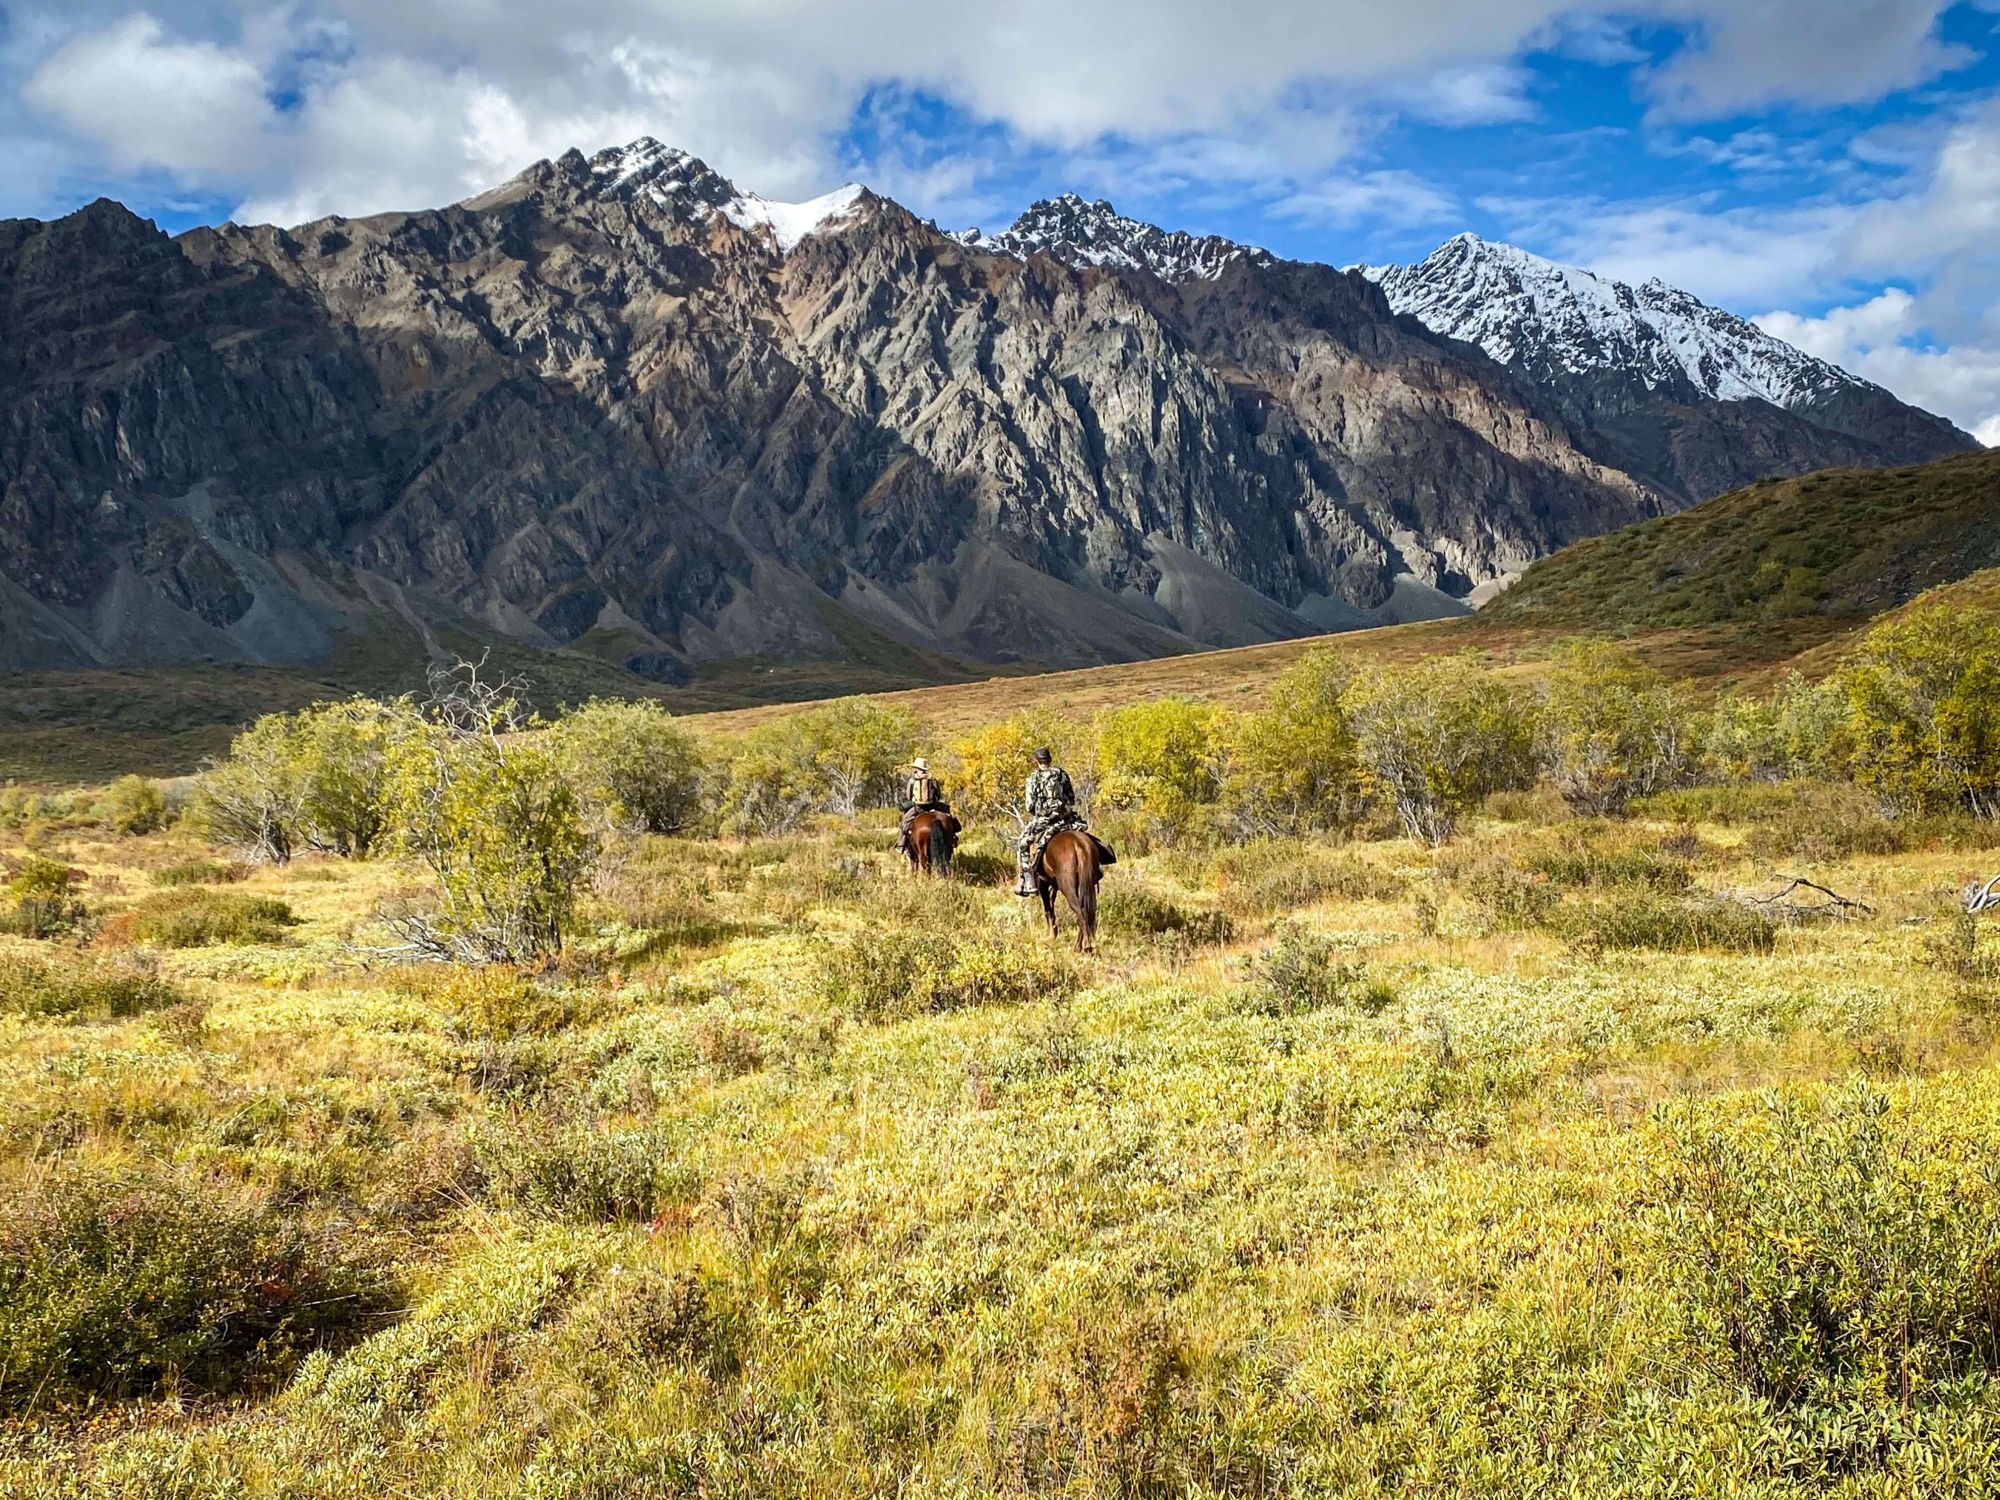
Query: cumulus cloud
[(152, 100), (1885, 339), (422, 99), (1753, 53)]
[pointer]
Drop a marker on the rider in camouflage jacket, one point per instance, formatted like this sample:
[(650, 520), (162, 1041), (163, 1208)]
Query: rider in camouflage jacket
[(1050, 803)]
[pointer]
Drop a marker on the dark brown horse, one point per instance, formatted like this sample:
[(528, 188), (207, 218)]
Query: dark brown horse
[(933, 837), (1071, 863)]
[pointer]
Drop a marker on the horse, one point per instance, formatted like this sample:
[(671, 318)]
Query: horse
[(933, 837), (1071, 863)]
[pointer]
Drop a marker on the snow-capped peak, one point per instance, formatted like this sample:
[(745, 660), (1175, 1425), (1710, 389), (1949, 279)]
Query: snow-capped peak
[(790, 223), (1093, 233), (1549, 320), (661, 173), (675, 180)]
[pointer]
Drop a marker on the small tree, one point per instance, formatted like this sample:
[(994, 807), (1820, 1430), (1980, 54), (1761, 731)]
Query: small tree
[(635, 762), (993, 762), (856, 745), (1437, 737), (1922, 727), (1292, 765), (1162, 759), (253, 800), (315, 779), (134, 805), (838, 758), (488, 809), (1747, 738), (1608, 728), (770, 784), (344, 753)]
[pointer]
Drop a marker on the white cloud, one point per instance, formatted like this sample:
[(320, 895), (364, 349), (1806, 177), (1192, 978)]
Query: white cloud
[(426, 99), (1886, 339), (150, 100), (1399, 197), (1754, 53), (1487, 93)]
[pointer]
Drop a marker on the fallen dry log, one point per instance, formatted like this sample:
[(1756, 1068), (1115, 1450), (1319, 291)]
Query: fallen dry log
[(1788, 904), (1976, 897)]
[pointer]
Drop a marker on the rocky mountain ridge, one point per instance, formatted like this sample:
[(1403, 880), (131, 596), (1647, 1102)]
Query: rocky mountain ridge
[(1693, 397), (1094, 233), (619, 408)]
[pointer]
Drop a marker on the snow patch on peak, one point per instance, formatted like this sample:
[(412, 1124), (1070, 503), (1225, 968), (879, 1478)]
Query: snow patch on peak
[(1550, 320), (664, 174), (790, 223), (683, 184), (622, 163), (1090, 232)]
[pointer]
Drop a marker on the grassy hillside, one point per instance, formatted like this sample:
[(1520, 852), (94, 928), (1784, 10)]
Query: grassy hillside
[(1842, 544)]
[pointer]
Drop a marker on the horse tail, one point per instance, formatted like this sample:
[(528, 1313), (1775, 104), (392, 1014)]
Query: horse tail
[(1084, 871)]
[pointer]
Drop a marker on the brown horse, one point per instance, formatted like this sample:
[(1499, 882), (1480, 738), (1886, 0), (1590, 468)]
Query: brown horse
[(933, 837), (1071, 864)]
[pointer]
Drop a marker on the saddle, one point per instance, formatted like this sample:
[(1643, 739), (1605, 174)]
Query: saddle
[(1105, 854), (944, 814)]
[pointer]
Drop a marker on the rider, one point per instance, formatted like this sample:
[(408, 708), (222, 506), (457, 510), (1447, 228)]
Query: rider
[(1050, 800), (923, 792)]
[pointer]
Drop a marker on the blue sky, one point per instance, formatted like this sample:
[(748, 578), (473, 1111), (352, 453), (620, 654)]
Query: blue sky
[(1831, 167)]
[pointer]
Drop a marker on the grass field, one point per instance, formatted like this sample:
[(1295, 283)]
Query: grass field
[(1508, 1169)]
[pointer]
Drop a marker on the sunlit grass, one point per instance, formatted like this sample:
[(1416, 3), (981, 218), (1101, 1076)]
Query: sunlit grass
[(801, 1177)]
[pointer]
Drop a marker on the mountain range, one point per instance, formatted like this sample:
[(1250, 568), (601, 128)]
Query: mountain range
[(619, 407)]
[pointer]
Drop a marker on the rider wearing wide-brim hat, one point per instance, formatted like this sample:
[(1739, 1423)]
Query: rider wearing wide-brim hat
[(922, 792)]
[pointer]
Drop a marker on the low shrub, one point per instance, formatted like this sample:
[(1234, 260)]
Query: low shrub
[(982, 866), (199, 872), (1301, 972), (82, 988), (1507, 897), (1952, 945), (1667, 924), (899, 974), (646, 1315), (1584, 862), (193, 917), (1265, 879), (142, 1280), (499, 1004), (1134, 909), (727, 1047), (573, 1170), (43, 899), (1725, 804), (133, 805), (1841, 1262)]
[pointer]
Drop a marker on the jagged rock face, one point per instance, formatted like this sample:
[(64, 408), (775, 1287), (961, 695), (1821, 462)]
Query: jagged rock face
[(1658, 382), (1096, 234), (618, 406)]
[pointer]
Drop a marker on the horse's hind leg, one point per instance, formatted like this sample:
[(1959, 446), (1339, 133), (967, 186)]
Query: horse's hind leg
[(1048, 893)]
